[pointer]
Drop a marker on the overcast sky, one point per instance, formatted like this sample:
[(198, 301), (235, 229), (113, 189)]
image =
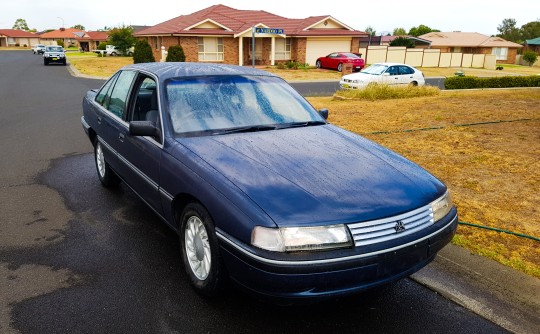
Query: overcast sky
[(482, 16)]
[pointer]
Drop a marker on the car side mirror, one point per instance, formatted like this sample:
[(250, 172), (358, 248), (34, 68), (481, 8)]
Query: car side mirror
[(143, 128), (324, 113)]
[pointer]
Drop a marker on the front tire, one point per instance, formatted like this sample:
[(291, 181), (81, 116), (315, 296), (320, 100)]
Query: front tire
[(200, 251), (106, 175), (45, 61)]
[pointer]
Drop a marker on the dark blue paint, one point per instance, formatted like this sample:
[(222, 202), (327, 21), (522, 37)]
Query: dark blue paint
[(302, 176)]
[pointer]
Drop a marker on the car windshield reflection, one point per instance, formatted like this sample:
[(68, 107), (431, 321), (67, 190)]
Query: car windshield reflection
[(213, 105), (375, 69)]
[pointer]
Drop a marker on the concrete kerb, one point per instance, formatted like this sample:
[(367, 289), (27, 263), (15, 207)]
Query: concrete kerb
[(75, 72), (505, 296)]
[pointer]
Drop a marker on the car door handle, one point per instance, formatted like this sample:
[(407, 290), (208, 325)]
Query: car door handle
[(99, 119), (121, 137)]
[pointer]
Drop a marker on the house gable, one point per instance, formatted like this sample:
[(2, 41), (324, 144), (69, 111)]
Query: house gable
[(208, 24)]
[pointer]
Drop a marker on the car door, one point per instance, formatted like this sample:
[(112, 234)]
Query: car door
[(391, 76), (406, 75), (330, 61), (115, 127), (143, 154)]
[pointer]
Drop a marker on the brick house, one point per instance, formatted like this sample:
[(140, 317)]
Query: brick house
[(224, 34), (68, 35), (13, 37), (89, 40), (475, 43)]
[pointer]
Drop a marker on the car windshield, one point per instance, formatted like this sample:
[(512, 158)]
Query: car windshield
[(375, 69), (54, 48), (224, 104)]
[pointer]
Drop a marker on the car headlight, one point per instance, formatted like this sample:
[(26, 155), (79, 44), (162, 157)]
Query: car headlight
[(291, 239), (441, 207)]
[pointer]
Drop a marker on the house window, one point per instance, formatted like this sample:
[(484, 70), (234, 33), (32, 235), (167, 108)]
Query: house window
[(210, 48), (283, 48), (500, 53)]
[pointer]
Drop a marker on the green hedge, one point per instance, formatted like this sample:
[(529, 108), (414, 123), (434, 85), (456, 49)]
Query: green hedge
[(469, 82)]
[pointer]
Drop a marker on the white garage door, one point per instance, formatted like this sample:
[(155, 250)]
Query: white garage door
[(320, 47)]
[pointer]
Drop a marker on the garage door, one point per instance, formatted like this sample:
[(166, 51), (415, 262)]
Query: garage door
[(319, 47)]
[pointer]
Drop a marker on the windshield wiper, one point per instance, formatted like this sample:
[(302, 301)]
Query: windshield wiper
[(300, 124), (251, 128)]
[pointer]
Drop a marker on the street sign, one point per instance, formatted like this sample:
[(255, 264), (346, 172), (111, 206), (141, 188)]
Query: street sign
[(276, 31)]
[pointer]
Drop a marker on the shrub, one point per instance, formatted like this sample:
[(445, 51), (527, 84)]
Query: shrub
[(17, 44), (470, 82), (175, 53), (143, 53), (530, 57), (60, 42), (25, 45), (102, 46), (384, 92)]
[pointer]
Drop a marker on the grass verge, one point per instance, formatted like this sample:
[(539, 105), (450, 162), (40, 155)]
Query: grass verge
[(375, 92), (483, 144)]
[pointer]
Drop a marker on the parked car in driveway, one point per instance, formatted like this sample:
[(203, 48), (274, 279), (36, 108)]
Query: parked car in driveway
[(336, 60), (384, 73), (260, 188), (54, 54)]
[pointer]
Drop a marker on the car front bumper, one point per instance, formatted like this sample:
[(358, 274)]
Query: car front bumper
[(324, 278)]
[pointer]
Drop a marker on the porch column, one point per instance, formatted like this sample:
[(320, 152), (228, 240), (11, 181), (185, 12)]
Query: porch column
[(273, 52), (241, 51)]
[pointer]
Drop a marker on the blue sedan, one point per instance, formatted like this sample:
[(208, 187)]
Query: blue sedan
[(260, 188)]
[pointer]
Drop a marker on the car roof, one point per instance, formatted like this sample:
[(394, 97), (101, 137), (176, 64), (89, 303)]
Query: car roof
[(166, 70), (391, 64)]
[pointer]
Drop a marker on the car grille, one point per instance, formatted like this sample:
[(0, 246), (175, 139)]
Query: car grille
[(347, 80), (370, 232)]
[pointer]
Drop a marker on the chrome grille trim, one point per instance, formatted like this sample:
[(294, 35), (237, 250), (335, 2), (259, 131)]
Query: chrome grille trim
[(380, 230)]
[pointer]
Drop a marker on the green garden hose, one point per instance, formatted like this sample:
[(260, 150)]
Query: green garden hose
[(500, 230)]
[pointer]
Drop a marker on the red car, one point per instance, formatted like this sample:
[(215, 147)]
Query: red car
[(337, 59)]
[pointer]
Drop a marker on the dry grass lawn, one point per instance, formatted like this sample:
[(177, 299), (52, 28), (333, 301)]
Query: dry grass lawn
[(492, 170)]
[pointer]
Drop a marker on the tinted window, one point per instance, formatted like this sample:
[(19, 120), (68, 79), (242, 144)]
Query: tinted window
[(405, 70), (146, 103), (118, 100), (393, 70)]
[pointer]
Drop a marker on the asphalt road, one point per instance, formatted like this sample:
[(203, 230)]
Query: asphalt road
[(78, 258)]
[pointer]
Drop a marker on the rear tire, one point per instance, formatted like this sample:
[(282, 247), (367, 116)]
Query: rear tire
[(200, 251), (318, 64), (413, 84), (339, 67), (106, 175)]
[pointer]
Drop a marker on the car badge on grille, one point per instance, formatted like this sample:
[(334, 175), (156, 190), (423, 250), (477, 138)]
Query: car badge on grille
[(400, 227)]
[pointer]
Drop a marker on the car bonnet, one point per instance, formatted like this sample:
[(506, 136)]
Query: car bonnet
[(317, 175)]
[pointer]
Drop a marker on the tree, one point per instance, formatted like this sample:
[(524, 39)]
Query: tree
[(143, 53), (122, 38), (175, 53), (421, 30), (370, 31), (399, 32), (530, 30), (20, 24), (403, 41), (78, 26), (530, 57), (508, 30)]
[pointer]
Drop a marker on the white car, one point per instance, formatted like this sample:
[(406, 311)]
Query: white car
[(384, 73)]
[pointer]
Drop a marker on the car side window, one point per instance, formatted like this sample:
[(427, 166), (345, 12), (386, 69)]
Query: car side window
[(405, 70), (393, 70), (119, 95), (146, 101), (104, 94)]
